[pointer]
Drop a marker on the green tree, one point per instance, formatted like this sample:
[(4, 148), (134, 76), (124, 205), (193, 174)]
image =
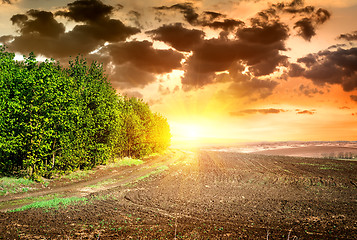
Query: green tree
[(56, 120)]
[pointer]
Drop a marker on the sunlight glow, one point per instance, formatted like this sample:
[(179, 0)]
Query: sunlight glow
[(186, 131)]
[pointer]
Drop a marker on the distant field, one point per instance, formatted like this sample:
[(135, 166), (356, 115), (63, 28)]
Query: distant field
[(310, 151)]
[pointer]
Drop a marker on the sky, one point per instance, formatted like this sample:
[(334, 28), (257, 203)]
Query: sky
[(243, 70)]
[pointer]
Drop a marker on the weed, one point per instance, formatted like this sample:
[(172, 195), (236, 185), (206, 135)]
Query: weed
[(14, 185), (78, 175), (52, 203), (126, 162)]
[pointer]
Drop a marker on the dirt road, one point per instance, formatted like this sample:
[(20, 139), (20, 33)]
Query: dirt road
[(201, 195)]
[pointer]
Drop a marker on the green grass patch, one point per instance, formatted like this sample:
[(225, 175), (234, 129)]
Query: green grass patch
[(77, 175), (127, 162), (52, 203), (14, 185), (28, 200), (156, 171)]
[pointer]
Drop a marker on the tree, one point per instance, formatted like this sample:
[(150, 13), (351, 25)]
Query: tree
[(56, 120)]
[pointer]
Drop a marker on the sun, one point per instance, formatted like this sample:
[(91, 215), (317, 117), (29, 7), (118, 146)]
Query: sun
[(191, 132), (186, 131)]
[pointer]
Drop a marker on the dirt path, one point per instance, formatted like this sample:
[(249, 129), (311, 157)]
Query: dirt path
[(102, 174)]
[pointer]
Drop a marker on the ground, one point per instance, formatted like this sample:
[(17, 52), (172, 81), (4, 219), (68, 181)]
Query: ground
[(199, 194)]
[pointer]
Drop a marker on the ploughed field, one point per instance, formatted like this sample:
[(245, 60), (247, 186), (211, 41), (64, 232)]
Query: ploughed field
[(203, 195)]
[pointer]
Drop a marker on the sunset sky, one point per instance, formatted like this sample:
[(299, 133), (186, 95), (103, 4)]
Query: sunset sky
[(245, 70)]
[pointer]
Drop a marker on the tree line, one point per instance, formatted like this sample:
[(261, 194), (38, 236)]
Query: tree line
[(56, 119)]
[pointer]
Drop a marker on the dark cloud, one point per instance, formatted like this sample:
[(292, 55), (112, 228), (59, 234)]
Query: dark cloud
[(264, 35), (307, 25), (6, 39), (353, 98), (309, 112), (177, 36), (212, 15), (305, 28), (99, 25), (226, 24), (255, 111), (142, 55), (128, 76), (41, 33), (349, 36), (332, 67), (308, 60), (6, 1), (337, 46), (87, 11), (295, 70), (38, 22), (256, 47), (186, 9), (207, 18), (308, 17)]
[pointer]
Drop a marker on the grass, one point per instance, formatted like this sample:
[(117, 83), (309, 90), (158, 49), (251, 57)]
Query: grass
[(52, 203), (14, 185), (78, 174), (127, 162), (29, 200)]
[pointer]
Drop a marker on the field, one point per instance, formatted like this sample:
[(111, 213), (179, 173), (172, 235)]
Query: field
[(192, 195)]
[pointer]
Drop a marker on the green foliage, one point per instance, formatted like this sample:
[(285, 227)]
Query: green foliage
[(126, 161), (14, 185), (57, 120), (52, 203)]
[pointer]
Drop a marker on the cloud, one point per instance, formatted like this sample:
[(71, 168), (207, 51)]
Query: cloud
[(89, 11), (295, 70), (267, 34), (6, 2), (226, 24), (345, 107), (6, 39), (206, 18), (308, 17), (41, 33), (262, 56), (330, 67), (308, 112), (255, 111), (253, 88), (186, 9), (38, 22), (309, 92), (143, 56), (163, 90), (305, 28), (128, 76), (349, 36), (177, 36), (353, 98)]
